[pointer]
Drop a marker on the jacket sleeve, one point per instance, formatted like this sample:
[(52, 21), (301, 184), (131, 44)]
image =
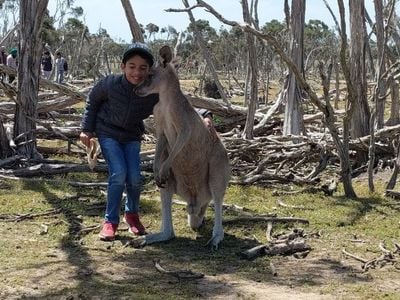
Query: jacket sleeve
[(204, 113), (95, 99)]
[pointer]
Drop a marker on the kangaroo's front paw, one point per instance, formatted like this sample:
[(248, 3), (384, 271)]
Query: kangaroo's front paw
[(163, 176), (159, 182)]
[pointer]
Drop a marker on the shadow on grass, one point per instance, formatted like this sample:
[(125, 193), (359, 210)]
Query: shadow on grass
[(360, 207), (138, 278)]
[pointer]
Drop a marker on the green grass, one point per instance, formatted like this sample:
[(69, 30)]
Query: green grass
[(62, 263)]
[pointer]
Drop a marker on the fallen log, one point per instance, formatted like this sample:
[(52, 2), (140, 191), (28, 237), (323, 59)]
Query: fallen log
[(44, 169), (285, 248)]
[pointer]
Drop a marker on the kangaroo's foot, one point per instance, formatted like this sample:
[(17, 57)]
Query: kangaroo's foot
[(217, 237), (158, 237)]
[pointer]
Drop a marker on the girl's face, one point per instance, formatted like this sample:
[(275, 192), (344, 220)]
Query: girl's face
[(136, 69)]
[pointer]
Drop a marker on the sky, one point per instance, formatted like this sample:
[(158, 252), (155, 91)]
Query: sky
[(109, 14)]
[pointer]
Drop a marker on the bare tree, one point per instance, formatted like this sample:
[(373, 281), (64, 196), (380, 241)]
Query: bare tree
[(133, 23), (30, 50), (360, 110), (5, 149), (380, 68), (252, 60), (325, 107), (210, 63), (293, 123)]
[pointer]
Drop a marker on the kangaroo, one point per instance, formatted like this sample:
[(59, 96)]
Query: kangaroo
[(188, 161)]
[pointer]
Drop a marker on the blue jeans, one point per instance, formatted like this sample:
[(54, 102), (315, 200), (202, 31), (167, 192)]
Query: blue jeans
[(60, 76), (123, 160)]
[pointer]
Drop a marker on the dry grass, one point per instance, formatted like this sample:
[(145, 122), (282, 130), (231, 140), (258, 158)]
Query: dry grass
[(63, 263)]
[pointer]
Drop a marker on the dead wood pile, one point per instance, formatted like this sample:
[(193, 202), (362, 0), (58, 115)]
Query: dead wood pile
[(388, 257), (267, 160)]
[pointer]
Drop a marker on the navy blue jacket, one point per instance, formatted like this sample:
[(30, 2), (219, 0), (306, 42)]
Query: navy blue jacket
[(114, 110)]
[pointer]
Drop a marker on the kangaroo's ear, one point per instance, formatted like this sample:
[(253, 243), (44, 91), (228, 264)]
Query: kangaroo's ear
[(166, 55)]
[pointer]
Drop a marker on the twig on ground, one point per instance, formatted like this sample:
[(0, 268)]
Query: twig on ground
[(180, 274), (88, 229), (381, 261), (265, 219), (18, 218), (360, 259), (281, 203), (268, 232)]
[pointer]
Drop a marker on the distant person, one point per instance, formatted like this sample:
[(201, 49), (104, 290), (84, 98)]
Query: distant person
[(47, 65), (60, 61), (12, 63), (3, 60), (3, 55)]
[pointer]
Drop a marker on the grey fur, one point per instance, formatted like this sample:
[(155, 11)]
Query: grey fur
[(188, 161)]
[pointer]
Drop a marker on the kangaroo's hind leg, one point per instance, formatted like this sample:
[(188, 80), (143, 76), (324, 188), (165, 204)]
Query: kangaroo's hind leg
[(167, 230), (219, 174)]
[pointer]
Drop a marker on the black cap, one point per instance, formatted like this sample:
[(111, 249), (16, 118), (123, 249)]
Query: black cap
[(140, 49)]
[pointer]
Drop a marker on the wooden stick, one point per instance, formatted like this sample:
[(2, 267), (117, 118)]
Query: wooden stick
[(18, 218), (265, 219), (268, 232), (363, 260), (180, 274)]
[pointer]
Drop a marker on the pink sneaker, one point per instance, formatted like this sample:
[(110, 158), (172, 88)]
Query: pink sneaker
[(108, 231), (135, 226)]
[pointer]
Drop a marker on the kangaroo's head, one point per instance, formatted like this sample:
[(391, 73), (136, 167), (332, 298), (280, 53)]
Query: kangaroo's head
[(162, 78)]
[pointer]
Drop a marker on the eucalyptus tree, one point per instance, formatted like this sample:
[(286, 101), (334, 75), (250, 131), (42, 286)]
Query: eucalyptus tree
[(208, 33), (251, 74), (359, 108), (201, 40), (393, 51), (50, 35), (274, 66), (234, 54), (75, 32), (9, 11), (151, 29), (30, 51), (170, 31), (324, 106), (62, 10), (9, 17), (293, 122), (320, 44)]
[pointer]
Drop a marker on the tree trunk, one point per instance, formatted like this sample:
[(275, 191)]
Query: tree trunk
[(252, 60), (380, 68), (337, 84), (361, 114), (293, 122), (30, 51), (206, 54), (394, 118), (343, 147), (5, 149), (77, 59), (133, 23)]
